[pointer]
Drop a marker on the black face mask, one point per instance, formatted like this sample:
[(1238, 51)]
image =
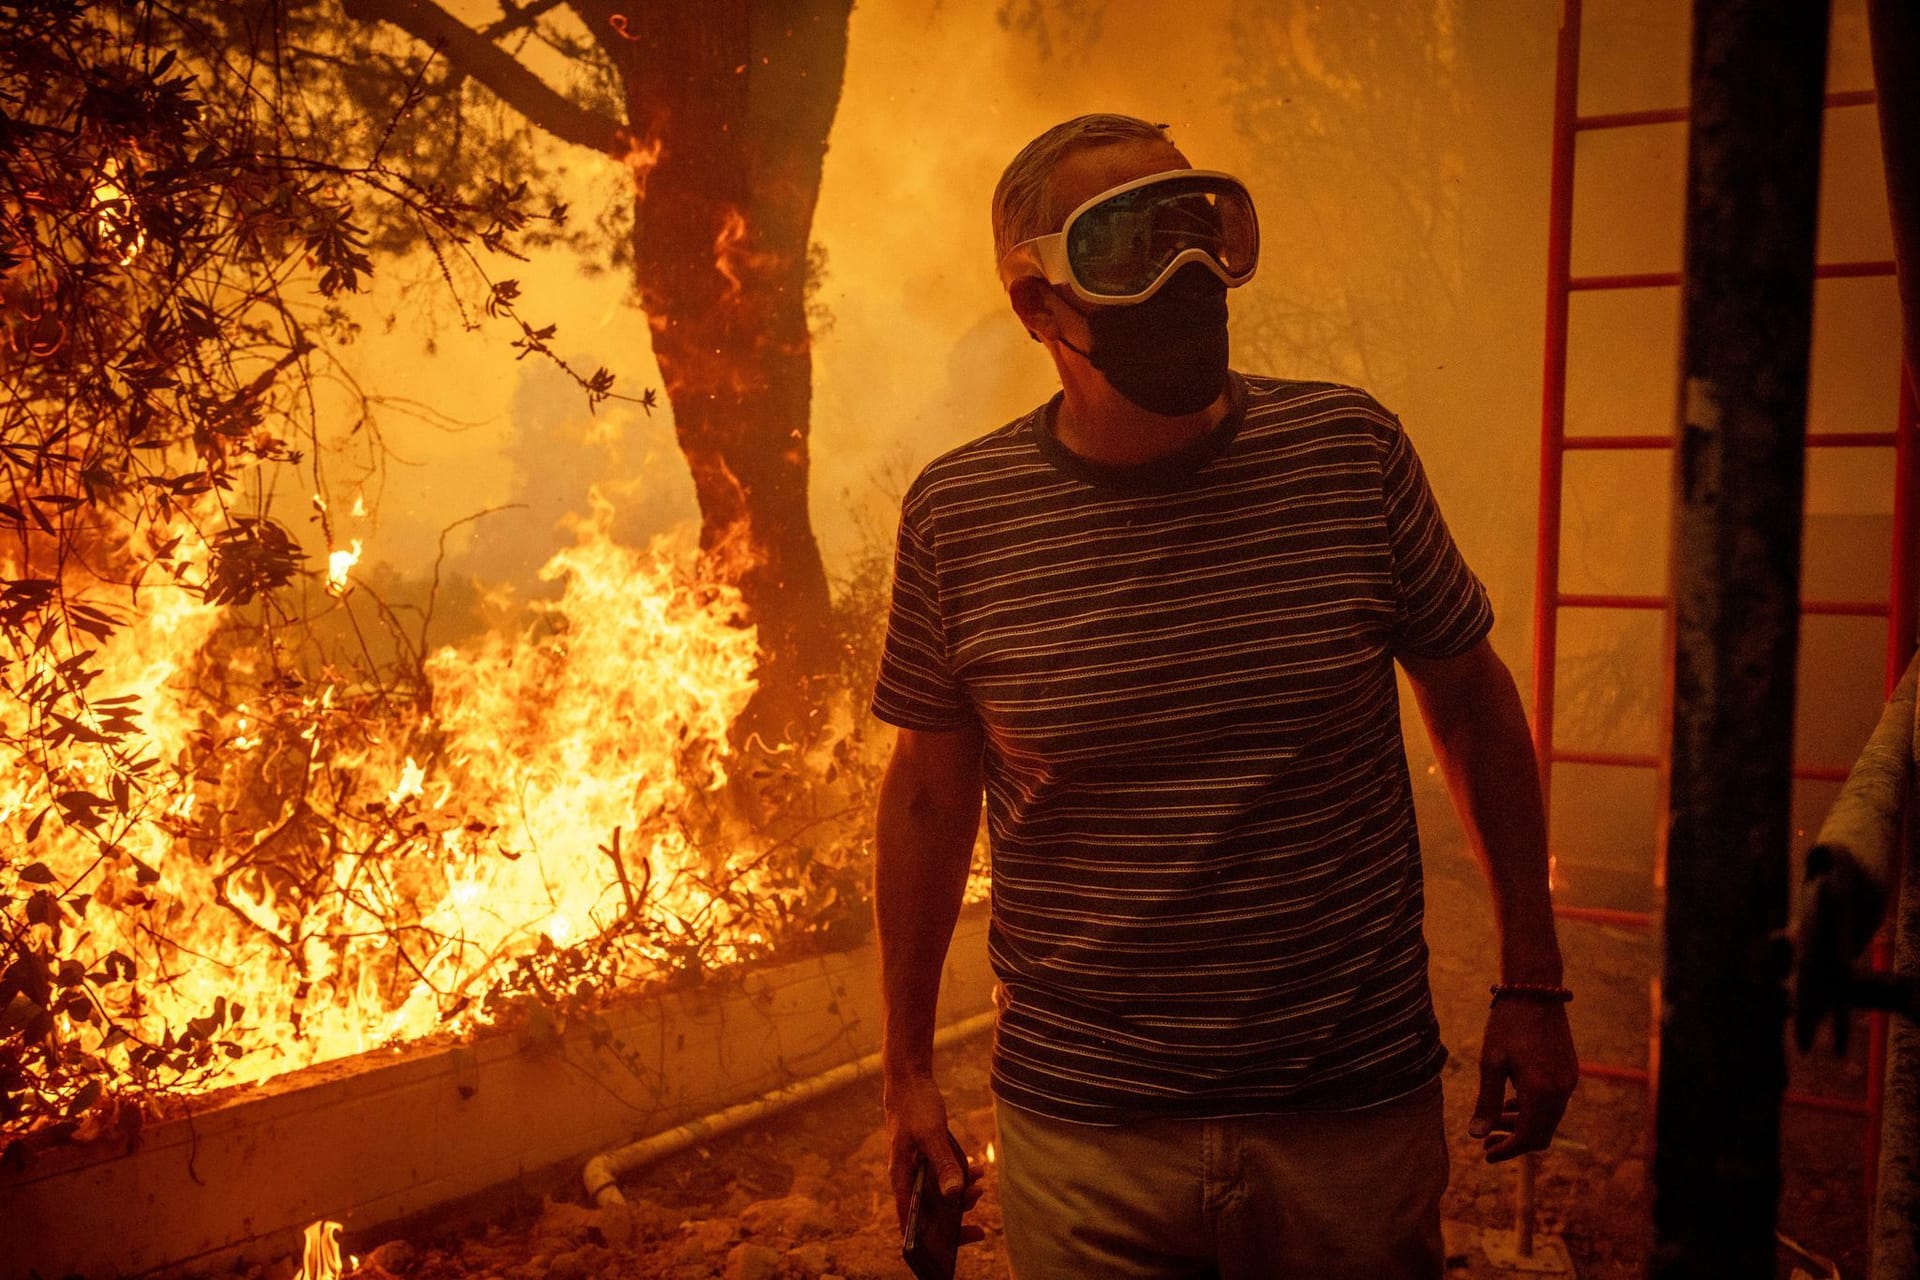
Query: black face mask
[(1168, 354)]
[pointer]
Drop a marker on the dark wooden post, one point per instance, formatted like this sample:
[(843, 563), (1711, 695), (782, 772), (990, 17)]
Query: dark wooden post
[(1753, 169)]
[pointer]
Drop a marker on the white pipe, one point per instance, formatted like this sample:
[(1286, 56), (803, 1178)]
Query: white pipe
[(602, 1174)]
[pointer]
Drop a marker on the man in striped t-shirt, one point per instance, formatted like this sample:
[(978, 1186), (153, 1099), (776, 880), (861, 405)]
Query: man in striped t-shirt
[(1155, 621)]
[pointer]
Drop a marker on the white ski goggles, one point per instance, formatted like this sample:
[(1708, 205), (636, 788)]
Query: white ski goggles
[(1121, 246)]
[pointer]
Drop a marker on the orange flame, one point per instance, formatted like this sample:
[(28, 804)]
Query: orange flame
[(339, 563), (483, 828), (641, 158), (727, 257), (115, 219), (320, 1253)]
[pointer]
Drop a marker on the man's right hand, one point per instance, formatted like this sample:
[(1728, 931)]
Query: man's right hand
[(923, 842), (916, 1127)]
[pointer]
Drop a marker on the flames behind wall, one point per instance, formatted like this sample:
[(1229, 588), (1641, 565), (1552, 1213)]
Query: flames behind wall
[(314, 874)]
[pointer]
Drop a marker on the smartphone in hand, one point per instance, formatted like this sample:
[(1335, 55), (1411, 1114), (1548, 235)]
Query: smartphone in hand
[(931, 1242)]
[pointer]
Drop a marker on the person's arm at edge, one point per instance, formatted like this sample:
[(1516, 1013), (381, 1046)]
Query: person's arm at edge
[(929, 812), (1480, 735)]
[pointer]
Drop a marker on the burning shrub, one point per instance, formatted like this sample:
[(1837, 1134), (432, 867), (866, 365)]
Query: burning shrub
[(318, 869), (221, 854)]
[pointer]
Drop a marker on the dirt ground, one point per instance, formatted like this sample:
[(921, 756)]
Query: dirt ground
[(802, 1197)]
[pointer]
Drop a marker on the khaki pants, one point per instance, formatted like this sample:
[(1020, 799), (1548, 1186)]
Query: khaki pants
[(1349, 1195)]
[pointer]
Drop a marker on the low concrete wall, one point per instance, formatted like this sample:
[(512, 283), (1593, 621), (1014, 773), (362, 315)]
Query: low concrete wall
[(382, 1136)]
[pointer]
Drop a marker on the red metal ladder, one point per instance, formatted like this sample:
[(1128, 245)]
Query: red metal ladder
[(1549, 599)]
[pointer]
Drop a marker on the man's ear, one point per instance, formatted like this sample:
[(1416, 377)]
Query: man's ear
[(1029, 297)]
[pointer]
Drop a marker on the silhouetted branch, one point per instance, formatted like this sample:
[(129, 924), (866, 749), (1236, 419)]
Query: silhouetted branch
[(475, 55)]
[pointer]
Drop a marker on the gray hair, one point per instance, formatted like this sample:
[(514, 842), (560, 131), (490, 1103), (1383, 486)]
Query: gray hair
[(1023, 205)]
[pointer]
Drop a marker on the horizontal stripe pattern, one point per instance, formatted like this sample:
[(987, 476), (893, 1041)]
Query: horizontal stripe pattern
[(1206, 877)]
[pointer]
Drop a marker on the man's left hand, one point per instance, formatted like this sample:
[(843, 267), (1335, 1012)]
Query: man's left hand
[(1528, 1043)]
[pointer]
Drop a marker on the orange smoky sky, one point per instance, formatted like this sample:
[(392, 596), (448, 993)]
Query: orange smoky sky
[(1399, 155)]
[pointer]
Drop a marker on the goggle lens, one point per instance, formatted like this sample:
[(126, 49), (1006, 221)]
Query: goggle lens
[(1123, 244)]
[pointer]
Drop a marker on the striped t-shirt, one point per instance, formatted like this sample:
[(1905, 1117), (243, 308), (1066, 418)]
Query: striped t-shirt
[(1206, 878)]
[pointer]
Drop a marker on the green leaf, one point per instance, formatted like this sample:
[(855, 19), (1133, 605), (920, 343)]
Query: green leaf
[(95, 626), (78, 800), (89, 1094), (42, 908), (20, 1012)]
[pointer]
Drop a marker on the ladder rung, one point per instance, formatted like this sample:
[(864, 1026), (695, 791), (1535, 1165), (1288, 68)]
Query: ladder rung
[(1845, 608), (1606, 759), (1608, 1071), (1680, 115), (1606, 915), (1823, 1102), (1671, 279), (1852, 439), (1629, 280), (1631, 119), (1815, 440), (1853, 98), (1624, 760), (1852, 270), (1579, 600), (1617, 442), (1822, 608)]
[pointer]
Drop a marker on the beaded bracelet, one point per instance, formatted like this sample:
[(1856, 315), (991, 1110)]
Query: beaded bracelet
[(1530, 991)]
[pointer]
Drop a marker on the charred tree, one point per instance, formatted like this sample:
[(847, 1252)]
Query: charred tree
[(726, 107)]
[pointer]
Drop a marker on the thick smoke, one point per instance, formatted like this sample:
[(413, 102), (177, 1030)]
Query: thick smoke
[(1399, 153)]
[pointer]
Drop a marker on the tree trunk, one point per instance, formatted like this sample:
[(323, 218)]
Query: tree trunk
[(728, 106), (734, 102)]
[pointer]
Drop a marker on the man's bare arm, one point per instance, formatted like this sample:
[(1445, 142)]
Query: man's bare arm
[(1480, 735), (928, 815)]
